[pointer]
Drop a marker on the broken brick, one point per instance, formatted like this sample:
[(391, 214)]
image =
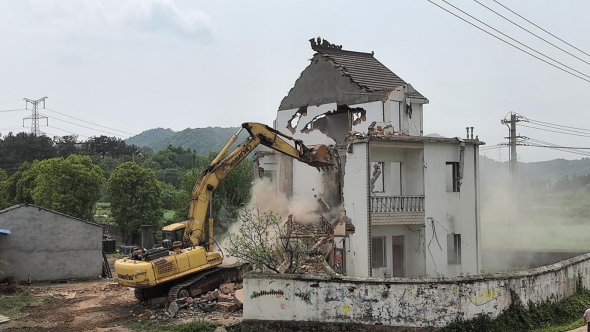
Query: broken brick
[(226, 307), (225, 298), (227, 288)]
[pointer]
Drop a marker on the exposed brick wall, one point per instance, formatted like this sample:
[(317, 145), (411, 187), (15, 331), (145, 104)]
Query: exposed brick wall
[(397, 218)]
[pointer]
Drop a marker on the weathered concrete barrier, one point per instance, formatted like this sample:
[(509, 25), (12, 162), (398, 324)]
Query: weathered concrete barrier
[(306, 302)]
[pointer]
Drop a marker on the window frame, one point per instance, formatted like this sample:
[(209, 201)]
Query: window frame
[(383, 250), (454, 249), (454, 176)]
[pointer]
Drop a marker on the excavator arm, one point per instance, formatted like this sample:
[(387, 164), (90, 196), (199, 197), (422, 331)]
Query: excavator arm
[(316, 156)]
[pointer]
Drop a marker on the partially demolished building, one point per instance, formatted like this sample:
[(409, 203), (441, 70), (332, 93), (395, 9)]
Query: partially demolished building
[(410, 200)]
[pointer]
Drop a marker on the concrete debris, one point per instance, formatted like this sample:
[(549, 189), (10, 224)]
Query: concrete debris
[(226, 307), (382, 129), (222, 300), (4, 319), (239, 295), (227, 288), (173, 309)]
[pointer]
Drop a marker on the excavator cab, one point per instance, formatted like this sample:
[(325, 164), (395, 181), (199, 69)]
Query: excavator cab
[(172, 233)]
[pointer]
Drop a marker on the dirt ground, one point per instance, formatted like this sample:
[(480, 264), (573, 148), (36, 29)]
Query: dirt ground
[(97, 306), (81, 306)]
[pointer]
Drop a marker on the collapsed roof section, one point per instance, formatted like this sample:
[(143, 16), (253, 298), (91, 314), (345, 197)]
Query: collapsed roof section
[(344, 77)]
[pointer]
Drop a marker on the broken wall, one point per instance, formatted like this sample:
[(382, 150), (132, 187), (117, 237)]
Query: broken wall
[(321, 83), (355, 192), (285, 300)]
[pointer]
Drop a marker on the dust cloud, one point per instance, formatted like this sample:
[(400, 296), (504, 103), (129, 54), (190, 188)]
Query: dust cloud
[(528, 228), (266, 197)]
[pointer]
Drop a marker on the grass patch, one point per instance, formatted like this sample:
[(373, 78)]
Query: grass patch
[(11, 305), (197, 326), (563, 328), (548, 316)]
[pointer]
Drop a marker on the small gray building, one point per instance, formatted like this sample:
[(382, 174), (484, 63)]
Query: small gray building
[(48, 245)]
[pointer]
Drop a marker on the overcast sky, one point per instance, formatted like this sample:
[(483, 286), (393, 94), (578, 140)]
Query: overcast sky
[(134, 65)]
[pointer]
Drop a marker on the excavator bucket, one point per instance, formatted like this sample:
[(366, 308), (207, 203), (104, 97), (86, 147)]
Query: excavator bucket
[(318, 156)]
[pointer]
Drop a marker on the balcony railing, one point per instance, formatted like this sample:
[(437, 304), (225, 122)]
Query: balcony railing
[(381, 204)]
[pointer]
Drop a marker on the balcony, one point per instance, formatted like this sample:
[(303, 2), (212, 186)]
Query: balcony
[(397, 210)]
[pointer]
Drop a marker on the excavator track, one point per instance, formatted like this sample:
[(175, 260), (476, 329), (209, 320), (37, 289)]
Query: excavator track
[(205, 281)]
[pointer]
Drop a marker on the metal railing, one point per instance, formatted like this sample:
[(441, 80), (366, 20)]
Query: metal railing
[(397, 204)]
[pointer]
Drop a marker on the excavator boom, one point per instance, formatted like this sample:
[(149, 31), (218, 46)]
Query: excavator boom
[(316, 156), (175, 270)]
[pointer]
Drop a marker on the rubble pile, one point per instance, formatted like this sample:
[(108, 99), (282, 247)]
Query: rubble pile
[(223, 304), (295, 228)]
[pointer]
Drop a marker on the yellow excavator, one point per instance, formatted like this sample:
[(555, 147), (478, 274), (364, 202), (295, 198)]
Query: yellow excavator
[(187, 264)]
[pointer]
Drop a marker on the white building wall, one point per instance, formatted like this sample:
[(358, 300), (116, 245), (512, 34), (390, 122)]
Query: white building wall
[(413, 248), (355, 193), (414, 173), (450, 212)]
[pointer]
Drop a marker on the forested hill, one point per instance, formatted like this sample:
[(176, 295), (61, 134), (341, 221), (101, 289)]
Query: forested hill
[(542, 171), (212, 139), (202, 140)]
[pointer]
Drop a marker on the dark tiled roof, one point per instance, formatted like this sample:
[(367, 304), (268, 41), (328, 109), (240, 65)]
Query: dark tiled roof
[(364, 70)]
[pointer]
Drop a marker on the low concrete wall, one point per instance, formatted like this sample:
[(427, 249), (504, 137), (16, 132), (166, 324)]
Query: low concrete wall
[(392, 304)]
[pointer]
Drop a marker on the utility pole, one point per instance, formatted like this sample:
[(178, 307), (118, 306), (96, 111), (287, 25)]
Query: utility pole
[(513, 161), (35, 115)]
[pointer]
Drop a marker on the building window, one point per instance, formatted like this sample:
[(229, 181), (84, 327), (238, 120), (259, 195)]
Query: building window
[(377, 178), (454, 248), (378, 257), (452, 172)]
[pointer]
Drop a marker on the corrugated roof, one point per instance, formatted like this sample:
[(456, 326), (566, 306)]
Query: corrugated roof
[(4, 231), (364, 70)]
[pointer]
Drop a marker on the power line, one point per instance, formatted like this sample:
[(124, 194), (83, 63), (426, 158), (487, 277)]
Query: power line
[(577, 131), (557, 125), (67, 131), (505, 35), (563, 41), (556, 131), (532, 33), (504, 41), (92, 123), (493, 147), (76, 124), (14, 110), (538, 143)]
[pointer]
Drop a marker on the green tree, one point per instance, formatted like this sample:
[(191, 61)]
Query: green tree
[(16, 149), (168, 194), (71, 185), (135, 198), (3, 188)]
